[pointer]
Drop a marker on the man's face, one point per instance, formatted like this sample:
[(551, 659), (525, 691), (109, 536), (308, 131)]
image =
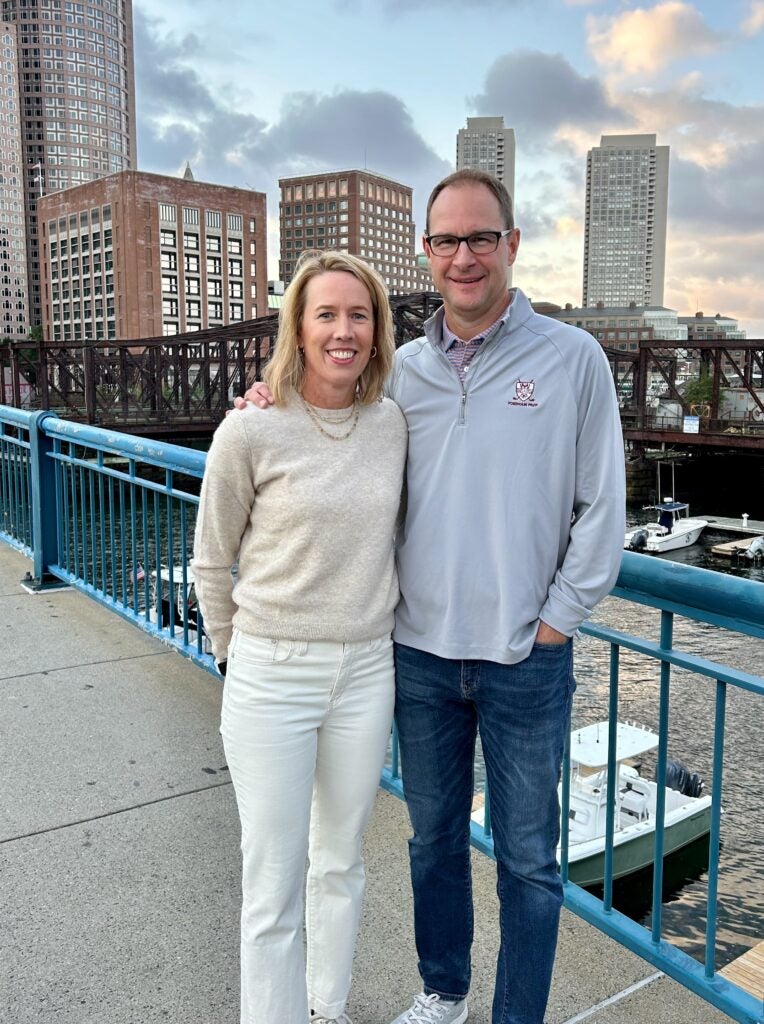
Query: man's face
[(474, 287)]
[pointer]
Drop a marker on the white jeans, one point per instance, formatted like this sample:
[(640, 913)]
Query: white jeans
[(305, 727)]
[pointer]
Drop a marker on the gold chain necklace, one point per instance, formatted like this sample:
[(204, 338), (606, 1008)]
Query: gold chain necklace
[(317, 420)]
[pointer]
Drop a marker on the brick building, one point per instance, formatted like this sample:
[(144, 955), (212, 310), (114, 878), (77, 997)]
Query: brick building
[(138, 255), (357, 212)]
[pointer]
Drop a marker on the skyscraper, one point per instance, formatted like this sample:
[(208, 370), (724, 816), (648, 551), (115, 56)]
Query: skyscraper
[(486, 145), (357, 212), (626, 213), (14, 316), (77, 101)]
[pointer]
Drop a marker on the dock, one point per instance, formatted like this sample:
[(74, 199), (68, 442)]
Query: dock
[(732, 547), (739, 527), (748, 971), (119, 849)]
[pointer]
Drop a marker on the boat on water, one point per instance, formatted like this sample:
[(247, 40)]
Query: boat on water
[(674, 528), (687, 809), (184, 602)]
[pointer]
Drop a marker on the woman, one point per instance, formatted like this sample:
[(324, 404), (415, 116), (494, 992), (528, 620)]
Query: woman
[(305, 496)]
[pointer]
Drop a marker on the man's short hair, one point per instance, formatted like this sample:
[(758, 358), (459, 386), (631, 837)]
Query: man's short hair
[(469, 176)]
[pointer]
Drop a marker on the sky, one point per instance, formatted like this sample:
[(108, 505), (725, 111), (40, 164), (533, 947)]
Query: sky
[(248, 93)]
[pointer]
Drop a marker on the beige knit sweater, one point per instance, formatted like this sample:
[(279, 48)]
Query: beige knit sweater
[(310, 521)]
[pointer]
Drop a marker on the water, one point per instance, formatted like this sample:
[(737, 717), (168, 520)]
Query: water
[(740, 920), (741, 883)]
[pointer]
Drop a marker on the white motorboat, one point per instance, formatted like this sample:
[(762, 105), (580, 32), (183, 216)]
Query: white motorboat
[(183, 607), (687, 814), (674, 529)]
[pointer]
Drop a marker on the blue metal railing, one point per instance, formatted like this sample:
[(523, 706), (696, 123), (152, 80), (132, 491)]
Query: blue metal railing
[(113, 515), (108, 513), (15, 479)]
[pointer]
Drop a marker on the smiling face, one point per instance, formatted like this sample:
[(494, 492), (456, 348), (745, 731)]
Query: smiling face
[(474, 287), (336, 336)]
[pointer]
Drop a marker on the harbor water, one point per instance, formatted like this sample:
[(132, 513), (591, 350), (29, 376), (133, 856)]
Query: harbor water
[(692, 699)]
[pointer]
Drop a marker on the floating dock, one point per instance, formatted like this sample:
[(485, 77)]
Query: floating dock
[(748, 971), (730, 547), (739, 527)]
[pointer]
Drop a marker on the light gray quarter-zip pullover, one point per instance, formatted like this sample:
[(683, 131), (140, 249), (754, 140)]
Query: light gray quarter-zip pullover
[(515, 488)]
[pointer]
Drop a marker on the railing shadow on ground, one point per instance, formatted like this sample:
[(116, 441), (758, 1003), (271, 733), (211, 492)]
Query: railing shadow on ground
[(113, 515)]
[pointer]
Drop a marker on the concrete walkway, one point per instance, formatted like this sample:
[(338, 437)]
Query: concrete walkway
[(119, 848)]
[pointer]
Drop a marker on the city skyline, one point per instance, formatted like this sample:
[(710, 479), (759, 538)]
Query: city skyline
[(266, 104)]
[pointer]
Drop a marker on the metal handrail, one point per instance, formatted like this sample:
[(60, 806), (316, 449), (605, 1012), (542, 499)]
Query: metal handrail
[(107, 512)]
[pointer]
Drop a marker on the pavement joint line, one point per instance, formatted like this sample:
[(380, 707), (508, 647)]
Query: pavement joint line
[(83, 664), (112, 814), (611, 1000)]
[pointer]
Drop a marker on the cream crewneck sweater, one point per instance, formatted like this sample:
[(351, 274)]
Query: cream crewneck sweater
[(310, 520)]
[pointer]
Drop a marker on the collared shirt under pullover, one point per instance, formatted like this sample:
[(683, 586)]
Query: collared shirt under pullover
[(515, 488)]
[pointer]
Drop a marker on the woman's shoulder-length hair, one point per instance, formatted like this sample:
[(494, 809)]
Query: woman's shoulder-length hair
[(284, 372)]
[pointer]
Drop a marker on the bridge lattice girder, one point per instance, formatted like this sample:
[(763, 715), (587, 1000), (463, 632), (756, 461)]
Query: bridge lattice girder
[(185, 383)]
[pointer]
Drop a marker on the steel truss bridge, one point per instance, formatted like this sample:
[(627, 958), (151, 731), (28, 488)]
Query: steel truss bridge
[(183, 385)]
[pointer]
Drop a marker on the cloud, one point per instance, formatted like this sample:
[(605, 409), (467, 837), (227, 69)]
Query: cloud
[(412, 6), (643, 41), (182, 118), (719, 199), (537, 92), (753, 23)]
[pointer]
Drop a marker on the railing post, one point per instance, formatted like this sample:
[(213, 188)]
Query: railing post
[(44, 512)]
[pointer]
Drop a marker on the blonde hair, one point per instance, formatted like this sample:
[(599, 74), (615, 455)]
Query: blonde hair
[(285, 370)]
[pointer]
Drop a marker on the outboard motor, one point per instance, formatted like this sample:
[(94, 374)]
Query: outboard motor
[(756, 549), (639, 541), (681, 779)]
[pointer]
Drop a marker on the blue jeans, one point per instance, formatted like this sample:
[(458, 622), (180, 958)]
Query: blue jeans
[(523, 714)]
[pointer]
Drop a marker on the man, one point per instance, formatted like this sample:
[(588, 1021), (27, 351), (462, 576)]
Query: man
[(513, 533)]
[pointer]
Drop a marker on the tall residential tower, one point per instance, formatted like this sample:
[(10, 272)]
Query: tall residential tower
[(77, 100), (486, 145), (14, 314), (626, 214)]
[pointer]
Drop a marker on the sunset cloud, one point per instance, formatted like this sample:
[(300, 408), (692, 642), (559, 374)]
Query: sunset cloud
[(753, 23), (644, 41)]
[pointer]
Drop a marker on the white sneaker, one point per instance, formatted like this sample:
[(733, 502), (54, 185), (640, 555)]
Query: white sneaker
[(433, 1010), (342, 1019)]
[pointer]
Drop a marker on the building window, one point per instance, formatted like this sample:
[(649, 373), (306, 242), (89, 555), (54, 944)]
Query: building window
[(167, 213), (234, 246), (213, 243), (214, 265), (235, 222), (190, 215), (168, 261), (169, 329), (170, 307), (169, 284), (237, 311), (234, 268), (212, 218), (215, 310), (190, 241), (192, 286), (235, 290), (191, 263), (167, 238), (193, 309)]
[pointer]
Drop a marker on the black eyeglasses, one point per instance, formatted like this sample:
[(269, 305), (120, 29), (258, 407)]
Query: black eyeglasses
[(482, 243)]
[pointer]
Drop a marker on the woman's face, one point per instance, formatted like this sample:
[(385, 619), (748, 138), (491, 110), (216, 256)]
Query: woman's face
[(336, 336)]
